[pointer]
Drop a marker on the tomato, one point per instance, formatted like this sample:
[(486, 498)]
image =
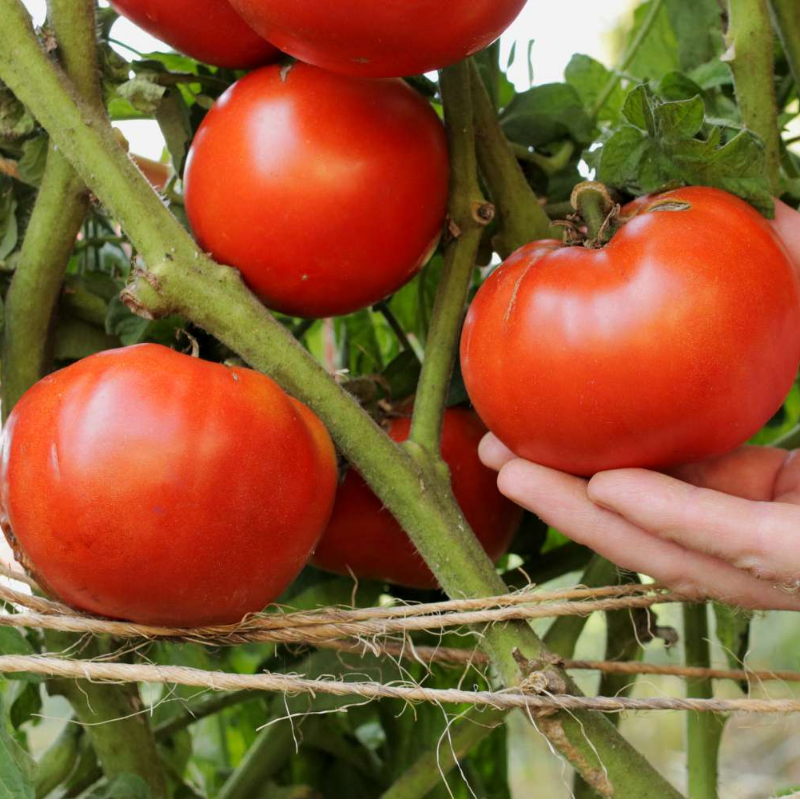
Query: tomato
[(147, 485), (207, 30), (328, 193), (673, 343), (390, 38), (365, 540)]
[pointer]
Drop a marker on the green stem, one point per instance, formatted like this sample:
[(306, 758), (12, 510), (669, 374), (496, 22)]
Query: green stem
[(593, 204), (703, 731), (786, 17), (181, 279), (627, 57), (60, 209), (522, 218), (750, 56), (469, 215), (550, 165)]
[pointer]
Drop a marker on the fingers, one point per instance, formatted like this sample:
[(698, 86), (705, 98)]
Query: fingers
[(493, 452), (562, 501), (749, 472), (760, 538), (787, 226)]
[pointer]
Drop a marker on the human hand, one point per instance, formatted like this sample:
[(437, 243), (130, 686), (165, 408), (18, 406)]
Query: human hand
[(727, 529)]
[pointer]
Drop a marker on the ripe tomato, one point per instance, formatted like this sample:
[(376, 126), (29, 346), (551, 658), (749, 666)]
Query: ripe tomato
[(328, 193), (208, 30), (364, 539), (673, 343), (147, 485), (390, 38)]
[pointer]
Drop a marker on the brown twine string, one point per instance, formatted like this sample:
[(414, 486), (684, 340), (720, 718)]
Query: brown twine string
[(292, 684), (460, 656), (250, 631)]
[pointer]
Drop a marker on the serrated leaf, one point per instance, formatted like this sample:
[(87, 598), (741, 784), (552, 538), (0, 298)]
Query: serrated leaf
[(589, 78), (680, 118), (143, 92), (172, 116), (545, 114), (15, 765), (677, 86), (658, 53), (636, 109), (620, 156), (34, 159)]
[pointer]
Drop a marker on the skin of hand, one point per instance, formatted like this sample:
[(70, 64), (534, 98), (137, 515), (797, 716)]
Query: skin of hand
[(727, 528)]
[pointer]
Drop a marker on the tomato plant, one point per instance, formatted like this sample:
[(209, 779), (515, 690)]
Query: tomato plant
[(674, 342), (208, 30), (131, 489), (327, 192), (384, 40), (363, 539)]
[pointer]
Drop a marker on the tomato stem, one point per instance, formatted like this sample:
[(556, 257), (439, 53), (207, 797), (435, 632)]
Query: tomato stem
[(594, 206), (786, 17)]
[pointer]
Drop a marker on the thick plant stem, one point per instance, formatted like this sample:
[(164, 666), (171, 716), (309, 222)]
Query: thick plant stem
[(469, 214), (59, 212), (703, 731), (786, 16), (750, 56), (561, 638), (522, 217), (180, 279)]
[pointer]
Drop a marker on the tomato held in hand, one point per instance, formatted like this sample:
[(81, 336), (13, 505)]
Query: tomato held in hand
[(390, 38), (328, 193), (674, 342), (365, 540), (147, 485), (207, 30)]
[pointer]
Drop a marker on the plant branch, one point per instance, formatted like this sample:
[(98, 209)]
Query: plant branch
[(703, 731), (468, 215), (786, 17), (394, 324), (750, 56), (180, 279), (522, 218)]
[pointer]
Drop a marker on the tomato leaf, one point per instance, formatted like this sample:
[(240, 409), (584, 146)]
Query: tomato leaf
[(589, 78), (698, 30), (34, 158), (547, 113), (662, 143), (9, 232), (15, 765)]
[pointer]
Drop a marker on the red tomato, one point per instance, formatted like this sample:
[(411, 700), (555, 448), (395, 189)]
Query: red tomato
[(675, 342), (207, 30), (390, 38), (147, 485), (364, 539), (328, 193)]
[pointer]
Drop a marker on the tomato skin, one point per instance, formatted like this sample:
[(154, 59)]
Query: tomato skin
[(146, 485), (364, 539), (392, 38), (674, 343), (328, 193), (207, 30)]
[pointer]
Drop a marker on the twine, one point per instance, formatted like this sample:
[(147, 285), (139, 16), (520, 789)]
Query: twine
[(371, 690)]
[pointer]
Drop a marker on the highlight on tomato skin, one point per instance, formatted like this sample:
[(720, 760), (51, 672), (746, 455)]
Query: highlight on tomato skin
[(673, 343), (326, 192), (386, 39), (207, 30), (364, 539), (146, 485)]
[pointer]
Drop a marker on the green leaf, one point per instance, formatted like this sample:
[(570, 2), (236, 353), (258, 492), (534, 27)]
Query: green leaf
[(698, 29), (637, 110), (143, 92), (620, 156), (547, 113), (658, 53), (16, 122), (677, 86), (9, 231), (589, 78), (27, 701), (360, 343), (123, 787), (172, 116), (402, 375), (16, 774), (34, 159), (680, 118)]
